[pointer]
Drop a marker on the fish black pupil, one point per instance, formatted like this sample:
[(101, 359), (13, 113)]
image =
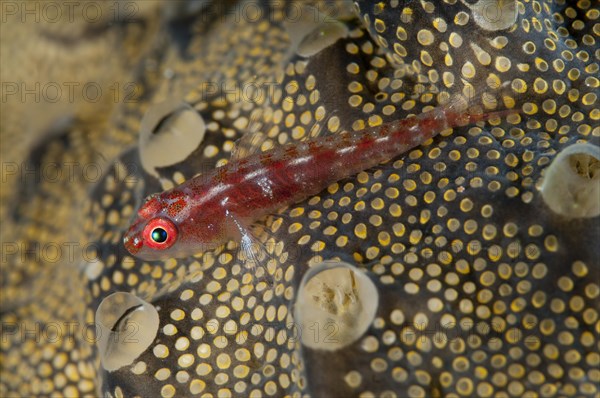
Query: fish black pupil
[(159, 235)]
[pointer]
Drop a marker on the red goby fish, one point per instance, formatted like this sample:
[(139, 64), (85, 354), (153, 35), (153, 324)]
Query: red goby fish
[(216, 207)]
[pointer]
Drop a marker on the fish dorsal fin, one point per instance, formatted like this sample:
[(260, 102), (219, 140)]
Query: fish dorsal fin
[(252, 140), (263, 133), (255, 141), (293, 110)]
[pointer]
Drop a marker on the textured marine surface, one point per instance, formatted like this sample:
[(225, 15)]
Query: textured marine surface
[(483, 290)]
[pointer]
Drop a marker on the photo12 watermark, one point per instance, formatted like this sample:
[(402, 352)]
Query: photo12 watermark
[(125, 331), (69, 172), (70, 92), (50, 252), (273, 11), (91, 12)]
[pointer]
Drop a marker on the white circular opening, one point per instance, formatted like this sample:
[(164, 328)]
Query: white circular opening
[(335, 306)]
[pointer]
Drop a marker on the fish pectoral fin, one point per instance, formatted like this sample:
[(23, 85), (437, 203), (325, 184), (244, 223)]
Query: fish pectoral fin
[(256, 256), (253, 252)]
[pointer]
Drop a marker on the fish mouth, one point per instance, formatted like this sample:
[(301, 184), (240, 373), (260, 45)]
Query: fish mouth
[(132, 240)]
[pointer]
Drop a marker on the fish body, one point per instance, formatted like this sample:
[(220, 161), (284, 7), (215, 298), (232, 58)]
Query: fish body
[(215, 207)]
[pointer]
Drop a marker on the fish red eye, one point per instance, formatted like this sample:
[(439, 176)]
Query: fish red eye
[(160, 233)]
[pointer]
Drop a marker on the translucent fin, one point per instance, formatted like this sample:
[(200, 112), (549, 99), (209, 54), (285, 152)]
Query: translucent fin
[(254, 253), (256, 140), (292, 112), (252, 140)]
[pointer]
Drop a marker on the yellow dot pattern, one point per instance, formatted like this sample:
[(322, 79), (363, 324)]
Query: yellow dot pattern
[(483, 291)]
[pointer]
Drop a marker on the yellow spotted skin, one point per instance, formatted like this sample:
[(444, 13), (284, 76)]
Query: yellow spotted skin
[(483, 290)]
